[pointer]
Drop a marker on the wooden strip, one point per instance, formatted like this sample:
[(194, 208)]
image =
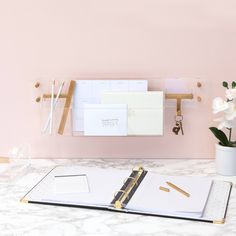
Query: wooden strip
[(164, 189), (178, 189), (66, 107)]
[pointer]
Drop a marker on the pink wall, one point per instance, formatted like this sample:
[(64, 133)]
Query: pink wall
[(126, 38)]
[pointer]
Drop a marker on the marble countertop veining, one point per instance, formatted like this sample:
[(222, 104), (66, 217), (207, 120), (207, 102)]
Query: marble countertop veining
[(18, 219)]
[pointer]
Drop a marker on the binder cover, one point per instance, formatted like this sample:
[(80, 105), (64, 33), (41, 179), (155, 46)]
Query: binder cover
[(114, 190)]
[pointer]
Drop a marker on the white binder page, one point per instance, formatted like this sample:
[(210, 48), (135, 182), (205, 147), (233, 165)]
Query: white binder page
[(149, 198), (103, 183)]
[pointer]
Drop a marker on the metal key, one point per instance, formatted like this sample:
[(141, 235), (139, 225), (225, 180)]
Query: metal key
[(181, 127), (176, 128)]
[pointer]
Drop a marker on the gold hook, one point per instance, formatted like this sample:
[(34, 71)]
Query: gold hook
[(179, 98), (178, 107)]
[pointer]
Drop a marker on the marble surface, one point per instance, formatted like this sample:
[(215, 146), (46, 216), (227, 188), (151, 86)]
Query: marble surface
[(18, 219)]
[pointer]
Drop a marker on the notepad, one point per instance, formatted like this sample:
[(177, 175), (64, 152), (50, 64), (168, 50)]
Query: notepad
[(70, 184), (135, 191)]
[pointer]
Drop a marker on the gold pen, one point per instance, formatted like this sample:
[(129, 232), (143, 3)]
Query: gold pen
[(178, 189)]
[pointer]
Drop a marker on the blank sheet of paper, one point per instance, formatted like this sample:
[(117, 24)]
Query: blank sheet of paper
[(103, 184), (149, 198)]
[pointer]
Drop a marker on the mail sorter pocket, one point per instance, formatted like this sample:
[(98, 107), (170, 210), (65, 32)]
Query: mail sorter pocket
[(50, 122), (119, 120), (118, 114), (145, 110), (145, 122)]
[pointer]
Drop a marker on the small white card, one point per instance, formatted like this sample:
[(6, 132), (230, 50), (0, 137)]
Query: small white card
[(105, 119), (67, 184)]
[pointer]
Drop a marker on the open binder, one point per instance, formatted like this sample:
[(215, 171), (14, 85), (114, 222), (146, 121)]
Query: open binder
[(136, 193)]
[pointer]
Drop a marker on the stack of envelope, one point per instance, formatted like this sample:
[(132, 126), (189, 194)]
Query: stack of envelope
[(117, 108)]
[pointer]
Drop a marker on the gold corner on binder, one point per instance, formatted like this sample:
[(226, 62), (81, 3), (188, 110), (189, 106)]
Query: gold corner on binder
[(222, 221), (23, 200)]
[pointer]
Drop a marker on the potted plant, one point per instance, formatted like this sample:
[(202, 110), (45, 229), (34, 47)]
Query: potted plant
[(226, 147)]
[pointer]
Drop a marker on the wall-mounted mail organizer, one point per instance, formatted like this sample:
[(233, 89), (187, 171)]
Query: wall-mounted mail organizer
[(108, 108)]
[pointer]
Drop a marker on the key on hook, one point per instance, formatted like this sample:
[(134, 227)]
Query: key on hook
[(178, 125), (177, 128), (181, 127)]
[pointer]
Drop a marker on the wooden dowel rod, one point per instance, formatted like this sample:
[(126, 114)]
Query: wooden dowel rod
[(49, 96), (167, 96), (179, 96)]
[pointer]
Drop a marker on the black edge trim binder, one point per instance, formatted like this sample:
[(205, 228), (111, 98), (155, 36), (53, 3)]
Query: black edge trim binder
[(23, 198), (226, 209), (131, 184), (123, 196)]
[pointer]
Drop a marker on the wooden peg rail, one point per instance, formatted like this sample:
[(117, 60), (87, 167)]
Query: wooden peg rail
[(177, 96), (167, 96)]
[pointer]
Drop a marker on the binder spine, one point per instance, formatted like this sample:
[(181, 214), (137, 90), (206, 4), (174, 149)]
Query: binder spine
[(131, 184)]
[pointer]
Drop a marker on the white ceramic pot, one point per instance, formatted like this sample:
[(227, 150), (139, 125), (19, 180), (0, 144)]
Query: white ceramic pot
[(225, 160)]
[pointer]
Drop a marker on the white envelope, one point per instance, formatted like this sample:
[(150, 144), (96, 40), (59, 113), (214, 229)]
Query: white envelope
[(145, 110), (105, 119)]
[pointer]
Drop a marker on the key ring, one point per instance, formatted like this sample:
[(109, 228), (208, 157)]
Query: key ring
[(179, 118)]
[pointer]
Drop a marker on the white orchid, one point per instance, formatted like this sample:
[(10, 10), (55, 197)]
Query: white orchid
[(230, 94), (223, 123), (219, 105), (230, 112), (228, 118), (229, 109)]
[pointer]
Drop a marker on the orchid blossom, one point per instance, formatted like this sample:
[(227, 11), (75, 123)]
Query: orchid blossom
[(227, 120)]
